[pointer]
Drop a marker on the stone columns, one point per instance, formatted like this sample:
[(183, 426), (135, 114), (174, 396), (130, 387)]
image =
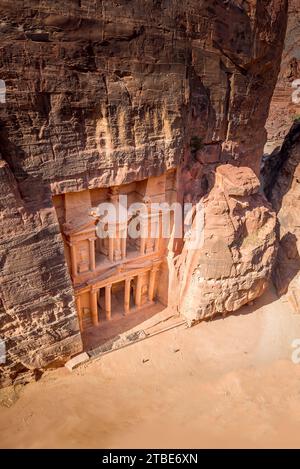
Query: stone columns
[(117, 244), (157, 233), (111, 248), (138, 291), (79, 312), (144, 233), (152, 279), (108, 302), (73, 260), (92, 254), (94, 307), (123, 247), (127, 295)]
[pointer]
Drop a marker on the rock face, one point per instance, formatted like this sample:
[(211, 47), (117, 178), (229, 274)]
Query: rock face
[(281, 162), (102, 93), (228, 266), (285, 104), (37, 312), (283, 191)]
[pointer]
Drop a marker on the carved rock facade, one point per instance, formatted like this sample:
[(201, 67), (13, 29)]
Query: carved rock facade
[(104, 93)]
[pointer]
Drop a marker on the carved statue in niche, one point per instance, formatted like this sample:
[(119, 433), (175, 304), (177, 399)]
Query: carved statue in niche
[(112, 228)]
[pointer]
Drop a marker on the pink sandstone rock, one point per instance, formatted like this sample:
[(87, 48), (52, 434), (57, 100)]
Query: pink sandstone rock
[(233, 260), (284, 193), (104, 93), (281, 167), (284, 107)]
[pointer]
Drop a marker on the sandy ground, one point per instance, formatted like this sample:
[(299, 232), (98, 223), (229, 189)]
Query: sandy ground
[(225, 383)]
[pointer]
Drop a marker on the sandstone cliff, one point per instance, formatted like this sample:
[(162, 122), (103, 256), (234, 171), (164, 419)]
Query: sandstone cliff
[(281, 161), (107, 92), (285, 104), (283, 190)]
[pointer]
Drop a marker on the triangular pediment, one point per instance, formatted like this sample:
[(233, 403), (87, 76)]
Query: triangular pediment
[(79, 225)]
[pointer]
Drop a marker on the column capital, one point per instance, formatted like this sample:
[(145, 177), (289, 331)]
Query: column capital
[(129, 279)]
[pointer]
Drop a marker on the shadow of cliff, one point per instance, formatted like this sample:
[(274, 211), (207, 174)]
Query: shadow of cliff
[(278, 174), (287, 264), (275, 163)]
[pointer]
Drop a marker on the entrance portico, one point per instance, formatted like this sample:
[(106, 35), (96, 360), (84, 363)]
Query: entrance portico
[(115, 247), (138, 288)]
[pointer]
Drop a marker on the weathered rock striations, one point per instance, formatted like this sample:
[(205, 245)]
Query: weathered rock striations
[(280, 171), (37, 315), (228, 266), (283, 190), (101, 93), (285, 104)]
